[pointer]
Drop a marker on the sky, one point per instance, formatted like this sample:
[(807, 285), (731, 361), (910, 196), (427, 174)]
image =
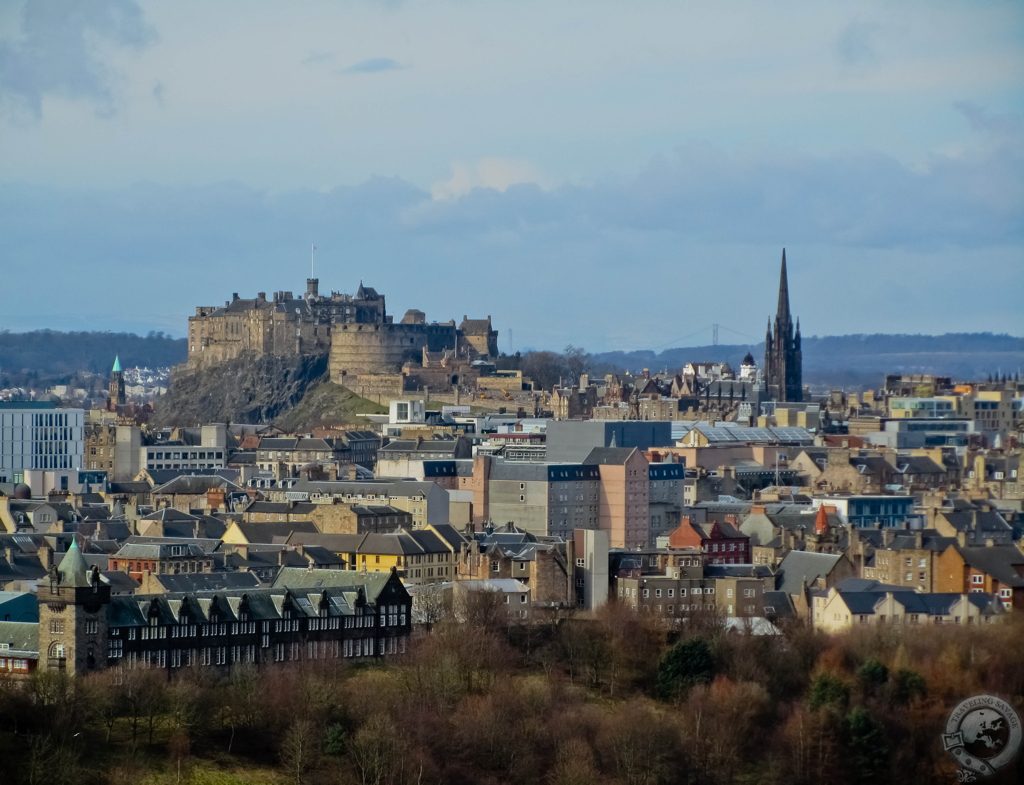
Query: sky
[(612, 175)]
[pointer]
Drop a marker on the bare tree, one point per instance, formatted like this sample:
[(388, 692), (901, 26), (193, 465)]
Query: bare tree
[(300, 749)]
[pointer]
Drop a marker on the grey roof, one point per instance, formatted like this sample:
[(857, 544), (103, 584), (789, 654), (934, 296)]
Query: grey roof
[(165, 514), (208, 544), (609, 456), (801, 568), (931, 604), (451, 535), (780, 603), (119, 581), (191, 485), (281, 508), (207, 581), (278, 531), (160, 550), (1005, 563), (22, 638)]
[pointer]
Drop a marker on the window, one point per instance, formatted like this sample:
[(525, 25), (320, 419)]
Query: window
[(92, 627), (522, 599), (978, 580), (646, 592), (56, 626)]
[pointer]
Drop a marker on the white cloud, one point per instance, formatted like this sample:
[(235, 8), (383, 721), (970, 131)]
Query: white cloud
[(496, 174)]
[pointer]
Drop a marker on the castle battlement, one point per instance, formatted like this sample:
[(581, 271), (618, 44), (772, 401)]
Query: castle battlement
[(354, 330)]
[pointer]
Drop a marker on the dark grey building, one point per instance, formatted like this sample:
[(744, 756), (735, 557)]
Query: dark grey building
[(571, 441)]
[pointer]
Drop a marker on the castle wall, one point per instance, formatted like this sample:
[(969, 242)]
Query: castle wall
[(374, 348)]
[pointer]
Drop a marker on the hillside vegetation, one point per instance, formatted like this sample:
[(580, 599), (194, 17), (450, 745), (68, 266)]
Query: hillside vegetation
[(328, 404), (615, 699)]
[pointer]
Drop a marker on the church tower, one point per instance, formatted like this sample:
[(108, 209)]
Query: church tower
[(73, 616), (115, 392), (783, 359)]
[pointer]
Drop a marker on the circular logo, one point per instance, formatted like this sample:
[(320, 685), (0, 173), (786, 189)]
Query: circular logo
[(983, 733)]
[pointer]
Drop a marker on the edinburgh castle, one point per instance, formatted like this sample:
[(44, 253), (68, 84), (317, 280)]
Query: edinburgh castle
[(367, 350)]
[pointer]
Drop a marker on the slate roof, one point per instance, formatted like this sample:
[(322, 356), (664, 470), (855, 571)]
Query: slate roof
[(1005, 563), (609, 456), (780, 603), (119, 581), (274, 532), (208, 544), (159, 550), (129, 488), (800, 568), (22, 638), (207, 581), (281, 508), (930, 604), (193, 485)]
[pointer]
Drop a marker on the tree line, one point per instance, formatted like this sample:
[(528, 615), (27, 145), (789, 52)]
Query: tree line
[(617, 698)]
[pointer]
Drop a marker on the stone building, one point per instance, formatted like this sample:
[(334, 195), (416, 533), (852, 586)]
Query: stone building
[(360, 338), (783, 358), (72, 616)]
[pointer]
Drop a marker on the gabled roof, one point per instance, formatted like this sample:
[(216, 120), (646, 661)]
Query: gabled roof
[(1005, 563), (192, 485), (207, 581), (802, 568), (274, 532), (609, 456)]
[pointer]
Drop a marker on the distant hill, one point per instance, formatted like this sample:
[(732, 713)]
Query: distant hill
[(47, 356), (853, 360)]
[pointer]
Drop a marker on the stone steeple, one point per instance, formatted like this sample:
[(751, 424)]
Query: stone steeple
[(783, 358), (116, 389)]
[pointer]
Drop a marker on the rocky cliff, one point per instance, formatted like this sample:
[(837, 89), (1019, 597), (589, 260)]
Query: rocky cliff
[(249, 389)]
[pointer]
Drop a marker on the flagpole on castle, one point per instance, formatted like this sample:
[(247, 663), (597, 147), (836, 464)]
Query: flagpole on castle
[(312, 253)]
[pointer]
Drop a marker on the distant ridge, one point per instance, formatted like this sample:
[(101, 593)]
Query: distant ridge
[(49, 356), (854, 360)]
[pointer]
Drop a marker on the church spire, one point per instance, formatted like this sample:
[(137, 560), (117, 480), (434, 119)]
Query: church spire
[(782, 312)]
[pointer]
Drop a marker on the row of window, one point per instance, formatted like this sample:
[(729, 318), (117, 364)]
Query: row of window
[(280, 652)]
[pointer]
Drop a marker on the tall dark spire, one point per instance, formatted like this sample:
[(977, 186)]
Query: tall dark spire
[(783, 358), (782, 312)]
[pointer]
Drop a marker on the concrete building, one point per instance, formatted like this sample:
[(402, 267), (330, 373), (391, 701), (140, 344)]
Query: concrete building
[(39, 435), (624, 500), (570, 441)]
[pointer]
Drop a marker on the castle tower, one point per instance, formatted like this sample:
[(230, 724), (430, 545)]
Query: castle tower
[(783, 359), (73, 616), (115, 392)]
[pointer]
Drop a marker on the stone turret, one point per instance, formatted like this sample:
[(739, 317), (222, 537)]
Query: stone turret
[(73, 615)]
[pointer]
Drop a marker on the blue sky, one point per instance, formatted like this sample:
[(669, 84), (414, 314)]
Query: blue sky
[(612, 175)]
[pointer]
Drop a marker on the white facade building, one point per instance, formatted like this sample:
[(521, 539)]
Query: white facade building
[(39, 435)]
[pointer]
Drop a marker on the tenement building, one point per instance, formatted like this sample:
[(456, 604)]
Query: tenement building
[(307, 615), (355, 331)]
